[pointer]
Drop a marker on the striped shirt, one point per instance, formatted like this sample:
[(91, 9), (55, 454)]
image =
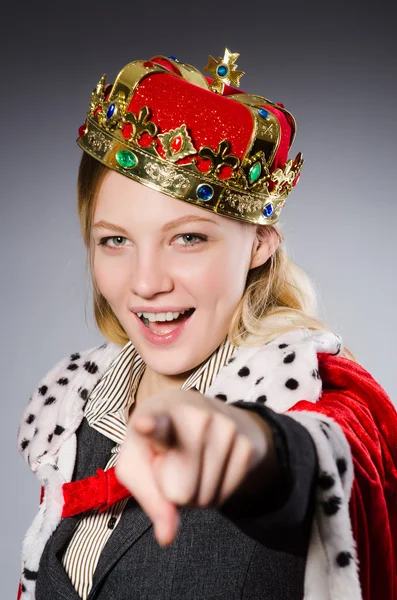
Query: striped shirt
[(107, 411)]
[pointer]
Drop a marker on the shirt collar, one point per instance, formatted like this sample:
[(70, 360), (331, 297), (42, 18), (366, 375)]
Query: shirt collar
[(107, 404)]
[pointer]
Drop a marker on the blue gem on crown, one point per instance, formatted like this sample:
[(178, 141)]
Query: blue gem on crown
[(222, 70), (110, 111), (205, 192), (268, 210), (263, 113)]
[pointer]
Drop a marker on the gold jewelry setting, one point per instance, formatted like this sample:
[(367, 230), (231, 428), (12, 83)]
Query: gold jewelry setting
[(224, 71)]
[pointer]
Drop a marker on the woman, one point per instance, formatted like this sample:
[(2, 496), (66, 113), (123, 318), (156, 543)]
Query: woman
[(276, 480)]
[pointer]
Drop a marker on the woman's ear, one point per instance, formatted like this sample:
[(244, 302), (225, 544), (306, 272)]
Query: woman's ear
[(265, 244)]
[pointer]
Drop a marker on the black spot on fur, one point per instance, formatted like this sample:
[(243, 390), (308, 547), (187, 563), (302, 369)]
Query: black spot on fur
[(343, 559), (316, 374), (55, 467), (43, 390), (50, 438), (30, 419), (91, 367), (331, 506), (84, 394), (261, 399), (24, 444), (342, 466), (291, 384), (58, 430), (281, 346), (244, 372), (221, 397), (75, 356), (326, 481), (324, 430), (231, 359), (72, 367), (23, 588), (36, 431), (50, 400), (63, 381), (257, 382), (30, 575), (290, 358)]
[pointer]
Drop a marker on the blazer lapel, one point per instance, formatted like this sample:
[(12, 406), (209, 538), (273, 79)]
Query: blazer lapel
[(134, 522), (93, 452)]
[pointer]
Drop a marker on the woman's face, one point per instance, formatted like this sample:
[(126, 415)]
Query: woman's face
[(154, 264)]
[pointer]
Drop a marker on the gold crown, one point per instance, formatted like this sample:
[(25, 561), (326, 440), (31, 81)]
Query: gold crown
[(252, 192)]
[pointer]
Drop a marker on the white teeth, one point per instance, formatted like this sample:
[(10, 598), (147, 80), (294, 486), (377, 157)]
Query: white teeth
[(169, 316)]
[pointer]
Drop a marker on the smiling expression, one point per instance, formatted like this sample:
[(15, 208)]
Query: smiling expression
[(164, 253)]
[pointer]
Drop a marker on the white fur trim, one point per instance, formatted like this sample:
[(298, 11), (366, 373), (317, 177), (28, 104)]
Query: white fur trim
[(334, 531)]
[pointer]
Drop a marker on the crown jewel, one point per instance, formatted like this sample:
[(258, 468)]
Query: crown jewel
[(225, 157)]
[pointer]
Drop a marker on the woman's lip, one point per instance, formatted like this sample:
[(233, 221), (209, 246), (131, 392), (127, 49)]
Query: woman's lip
[(165, 339), (158, 310)]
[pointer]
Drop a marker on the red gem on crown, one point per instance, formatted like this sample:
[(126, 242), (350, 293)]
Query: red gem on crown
[(83, 130), (176, 144)]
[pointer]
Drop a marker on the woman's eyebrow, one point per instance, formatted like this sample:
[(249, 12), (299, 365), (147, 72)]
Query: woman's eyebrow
[(166, 227)]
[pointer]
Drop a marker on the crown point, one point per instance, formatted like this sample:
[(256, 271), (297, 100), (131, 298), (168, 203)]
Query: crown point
[(296, 180), (224, 71)]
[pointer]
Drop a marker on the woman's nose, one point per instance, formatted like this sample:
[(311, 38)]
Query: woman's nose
[(150, 275)]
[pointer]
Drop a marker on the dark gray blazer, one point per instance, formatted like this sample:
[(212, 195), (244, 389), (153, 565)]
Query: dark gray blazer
[(222, 553)]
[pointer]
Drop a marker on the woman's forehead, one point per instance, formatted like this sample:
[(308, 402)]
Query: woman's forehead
[(123, 198)]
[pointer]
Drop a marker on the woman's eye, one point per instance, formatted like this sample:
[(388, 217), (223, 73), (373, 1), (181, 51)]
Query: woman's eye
[(191, 239), (104, 241), (194, 236)]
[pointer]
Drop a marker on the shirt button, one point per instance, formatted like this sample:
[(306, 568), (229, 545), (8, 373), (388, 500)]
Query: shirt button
[(112, 523)]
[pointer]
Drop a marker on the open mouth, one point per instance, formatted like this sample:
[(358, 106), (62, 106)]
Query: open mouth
[(180, 319)]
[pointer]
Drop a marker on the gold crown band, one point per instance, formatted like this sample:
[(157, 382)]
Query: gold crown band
[(181, 182)]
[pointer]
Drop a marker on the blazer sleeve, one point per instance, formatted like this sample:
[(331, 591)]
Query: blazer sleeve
[(280, 518)]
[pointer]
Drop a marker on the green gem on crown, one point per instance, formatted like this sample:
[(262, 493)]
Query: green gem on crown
[(126, 159), (255, 172)]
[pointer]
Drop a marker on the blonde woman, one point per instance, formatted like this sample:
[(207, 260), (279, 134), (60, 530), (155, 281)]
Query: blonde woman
[(222, 442)]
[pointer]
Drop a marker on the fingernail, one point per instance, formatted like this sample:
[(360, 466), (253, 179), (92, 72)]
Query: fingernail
[(162, 533)]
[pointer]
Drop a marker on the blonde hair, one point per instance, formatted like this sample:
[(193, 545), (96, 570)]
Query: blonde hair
[(278, 296)]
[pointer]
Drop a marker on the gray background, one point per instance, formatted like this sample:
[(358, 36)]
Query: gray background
[(332, 64)]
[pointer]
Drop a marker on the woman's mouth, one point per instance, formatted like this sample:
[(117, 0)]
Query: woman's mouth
[(164, 332), (164, 327)]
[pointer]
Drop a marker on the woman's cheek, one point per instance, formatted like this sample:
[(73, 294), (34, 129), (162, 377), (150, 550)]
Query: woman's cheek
[(109, 277)]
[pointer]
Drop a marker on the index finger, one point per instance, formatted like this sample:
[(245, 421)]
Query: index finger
[(134, 469)]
